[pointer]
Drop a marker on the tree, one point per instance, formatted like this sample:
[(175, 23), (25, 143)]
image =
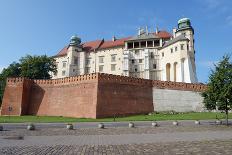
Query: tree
[(33, 67), (219, 91), (37, 67)]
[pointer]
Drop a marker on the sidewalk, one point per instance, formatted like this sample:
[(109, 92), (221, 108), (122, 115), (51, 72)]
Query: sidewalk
[(109, 124)]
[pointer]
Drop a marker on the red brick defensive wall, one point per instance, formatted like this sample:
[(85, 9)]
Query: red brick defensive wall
[(86, 96)]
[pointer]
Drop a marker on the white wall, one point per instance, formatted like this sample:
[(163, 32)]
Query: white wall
[(177, 100)]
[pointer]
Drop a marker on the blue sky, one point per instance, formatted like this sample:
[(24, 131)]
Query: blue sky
[(44, 26)]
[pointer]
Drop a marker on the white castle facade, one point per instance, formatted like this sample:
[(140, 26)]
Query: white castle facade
[(151, 55)]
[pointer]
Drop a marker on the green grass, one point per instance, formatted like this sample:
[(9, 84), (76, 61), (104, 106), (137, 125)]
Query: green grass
[(152, 117)]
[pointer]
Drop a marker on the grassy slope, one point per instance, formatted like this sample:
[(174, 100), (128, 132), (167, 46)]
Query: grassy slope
[(157, 117)]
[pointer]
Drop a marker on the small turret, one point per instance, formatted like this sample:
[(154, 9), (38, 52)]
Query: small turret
[(184, 23), (75, 41)]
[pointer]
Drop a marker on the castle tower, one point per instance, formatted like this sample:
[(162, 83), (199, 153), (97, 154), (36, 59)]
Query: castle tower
[(188, 62), (75, 57)]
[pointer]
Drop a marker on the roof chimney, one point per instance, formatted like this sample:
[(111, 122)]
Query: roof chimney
[(146, 30), (156, 30), (114, 38), (174, 32)]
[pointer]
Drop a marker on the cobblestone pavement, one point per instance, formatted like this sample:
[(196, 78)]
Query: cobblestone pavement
[(146, 140), (185, 148)]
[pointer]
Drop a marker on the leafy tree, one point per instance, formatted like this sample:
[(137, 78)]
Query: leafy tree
[(219, 91), (33, 67), (37, 67)]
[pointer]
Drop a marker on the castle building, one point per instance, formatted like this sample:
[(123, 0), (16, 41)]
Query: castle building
[(155, 55)]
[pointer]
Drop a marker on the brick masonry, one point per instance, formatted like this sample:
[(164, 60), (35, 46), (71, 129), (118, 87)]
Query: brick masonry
[(86, 96)]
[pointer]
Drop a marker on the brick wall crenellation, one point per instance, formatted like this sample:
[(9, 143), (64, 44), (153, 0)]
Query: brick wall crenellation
[(102, 77), (123, 79)]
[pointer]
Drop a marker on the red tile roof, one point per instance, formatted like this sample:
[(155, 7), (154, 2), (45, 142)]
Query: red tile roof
[(92, 45), (116, 43), (101, 44), (164, 34), (63, 51)]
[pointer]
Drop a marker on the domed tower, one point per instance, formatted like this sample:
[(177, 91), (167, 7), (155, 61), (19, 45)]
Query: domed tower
[(75, 41), (185, 28)]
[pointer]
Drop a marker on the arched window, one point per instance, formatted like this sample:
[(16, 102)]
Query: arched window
[(168, 66), (182, 69), (174, 70)]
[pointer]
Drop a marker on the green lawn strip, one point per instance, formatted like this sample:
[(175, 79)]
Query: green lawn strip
[(156, 117)]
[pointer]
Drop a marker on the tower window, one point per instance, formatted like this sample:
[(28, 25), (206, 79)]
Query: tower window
[(182, 46), (132, 61), (176, 48), (171, 50), (75, 60), (64, 64)]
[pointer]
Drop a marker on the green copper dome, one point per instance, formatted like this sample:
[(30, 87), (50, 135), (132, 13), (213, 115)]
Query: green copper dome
[(182, 20), (74, 41), (184, 23)]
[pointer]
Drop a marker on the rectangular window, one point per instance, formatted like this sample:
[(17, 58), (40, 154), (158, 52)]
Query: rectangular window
[(152, 55), (182, 46), (75, 60), (149, 43), (87, 62), (64, 64), (130, 45), (137, 52), (154, 66), (140, 60), (113, 67), (136, 68), (101, 59), (63, 73), (143, 44), (176, 48), (132, 61), (74, 70), (163, 54), (87, 70), (101, 67), (171, 50), (113, 58), (136, 44)]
